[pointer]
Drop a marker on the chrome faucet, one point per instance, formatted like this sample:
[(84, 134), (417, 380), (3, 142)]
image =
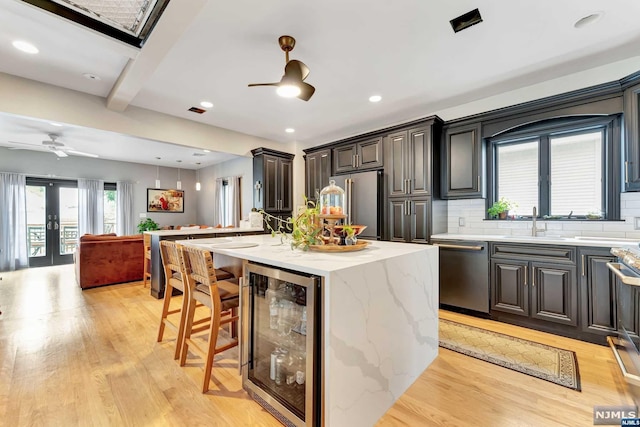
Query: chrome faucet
[(534, 227)]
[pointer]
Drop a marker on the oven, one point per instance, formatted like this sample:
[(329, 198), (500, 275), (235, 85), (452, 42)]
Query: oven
[(626, 345)]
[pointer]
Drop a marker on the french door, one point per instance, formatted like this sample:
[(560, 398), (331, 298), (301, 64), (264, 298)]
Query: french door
[(52, 221)]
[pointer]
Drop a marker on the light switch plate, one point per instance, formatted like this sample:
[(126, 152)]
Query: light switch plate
[(461, 222), (143, 215)]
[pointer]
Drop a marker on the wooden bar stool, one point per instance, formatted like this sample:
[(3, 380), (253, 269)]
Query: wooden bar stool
[(146, 277), (173, 272), (222, 298)]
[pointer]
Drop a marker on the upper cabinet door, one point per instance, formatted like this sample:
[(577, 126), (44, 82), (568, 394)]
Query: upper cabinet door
[(462, 163), (344, 158), (369, 154), (632, 139), (285, 184), (419, 161), (271, 196), (396, 154)]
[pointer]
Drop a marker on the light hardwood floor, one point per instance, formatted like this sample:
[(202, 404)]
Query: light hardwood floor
[(83, 358)]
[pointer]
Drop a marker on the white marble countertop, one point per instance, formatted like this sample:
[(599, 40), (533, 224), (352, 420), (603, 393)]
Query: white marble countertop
[(190, 231), (543, 240), (269, 250)]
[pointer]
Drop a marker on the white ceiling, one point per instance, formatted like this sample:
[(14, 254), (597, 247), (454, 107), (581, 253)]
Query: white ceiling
[(404, 51)]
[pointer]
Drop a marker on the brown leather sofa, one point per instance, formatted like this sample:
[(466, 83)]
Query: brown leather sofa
[(106, 259)]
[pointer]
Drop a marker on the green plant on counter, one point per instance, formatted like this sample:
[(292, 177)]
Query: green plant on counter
[(348, 230), (147, 225), (501, 206), (301, 231)]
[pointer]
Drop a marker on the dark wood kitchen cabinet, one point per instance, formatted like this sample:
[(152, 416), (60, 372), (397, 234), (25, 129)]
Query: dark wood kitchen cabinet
[(408, 159), (463, 163), (598, 291), (537, 282), (631, 98), (317, 172), (273, 180), (409, 219), (358, 156)]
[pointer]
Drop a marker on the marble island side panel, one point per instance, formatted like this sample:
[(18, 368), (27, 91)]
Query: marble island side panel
[(381, 333)]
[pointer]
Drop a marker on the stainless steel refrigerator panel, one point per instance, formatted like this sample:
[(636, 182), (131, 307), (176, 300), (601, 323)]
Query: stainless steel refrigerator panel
[(361, 204)]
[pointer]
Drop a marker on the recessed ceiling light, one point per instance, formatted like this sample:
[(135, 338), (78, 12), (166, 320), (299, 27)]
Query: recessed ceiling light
[(55, 124), (90, 76), (206, 151), (25, 46), (375, 98), (206, 104), (289, 130), (588, 20)]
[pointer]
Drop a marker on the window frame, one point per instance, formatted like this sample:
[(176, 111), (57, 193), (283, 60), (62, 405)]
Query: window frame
[(543, 131)]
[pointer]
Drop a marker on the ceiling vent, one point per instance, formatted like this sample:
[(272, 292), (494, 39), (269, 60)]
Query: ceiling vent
[(465, 21), (197, 110), (199, 154)]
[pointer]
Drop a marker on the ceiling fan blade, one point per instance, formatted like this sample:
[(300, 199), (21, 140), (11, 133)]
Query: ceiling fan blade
[(306, 91), (296, 69), (264, 84), (60, 153), (80, 153)]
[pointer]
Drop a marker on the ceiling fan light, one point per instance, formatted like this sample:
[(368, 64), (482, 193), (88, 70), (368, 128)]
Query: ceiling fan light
[(288, 91)]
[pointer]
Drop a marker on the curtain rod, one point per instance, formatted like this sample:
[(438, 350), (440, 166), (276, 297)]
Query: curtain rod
[(52, 176)]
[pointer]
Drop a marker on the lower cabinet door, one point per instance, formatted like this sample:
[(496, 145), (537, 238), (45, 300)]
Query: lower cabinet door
[(509, 287), (420, 220), (554, 293), (397, 221), (598, 292)]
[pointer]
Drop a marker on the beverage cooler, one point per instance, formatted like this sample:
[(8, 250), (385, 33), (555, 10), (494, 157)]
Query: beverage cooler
[(279, 352)]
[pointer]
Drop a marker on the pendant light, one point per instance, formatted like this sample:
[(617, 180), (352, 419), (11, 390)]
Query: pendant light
[(179, 183), (157, 176), (198, 186)]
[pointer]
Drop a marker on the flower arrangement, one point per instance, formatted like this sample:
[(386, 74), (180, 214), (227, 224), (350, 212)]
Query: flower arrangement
[(302, 231)]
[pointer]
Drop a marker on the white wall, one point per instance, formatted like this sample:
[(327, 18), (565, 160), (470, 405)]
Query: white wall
[(472, 211), (143, 176), (243, 167)]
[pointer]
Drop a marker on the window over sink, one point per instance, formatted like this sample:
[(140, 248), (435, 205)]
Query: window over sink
[(564, 167)]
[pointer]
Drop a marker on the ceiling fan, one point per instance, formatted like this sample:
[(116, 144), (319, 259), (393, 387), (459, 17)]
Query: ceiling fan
[(292, 83), (56, 147)]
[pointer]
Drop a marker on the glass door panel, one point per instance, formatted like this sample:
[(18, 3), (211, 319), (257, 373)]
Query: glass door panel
[(52, 221), (281, 341)]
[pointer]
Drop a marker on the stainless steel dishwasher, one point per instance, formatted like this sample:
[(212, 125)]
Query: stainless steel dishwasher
[(464, 274)]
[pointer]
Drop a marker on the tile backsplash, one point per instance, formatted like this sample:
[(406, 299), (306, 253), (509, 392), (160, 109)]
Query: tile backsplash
[(471, 213)]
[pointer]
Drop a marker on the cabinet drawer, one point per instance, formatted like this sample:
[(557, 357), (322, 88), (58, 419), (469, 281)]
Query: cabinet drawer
[(558, 254)]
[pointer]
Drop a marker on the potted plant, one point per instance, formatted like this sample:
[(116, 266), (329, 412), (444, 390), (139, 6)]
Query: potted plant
[(501, 208), (147, 225), (303, 230)]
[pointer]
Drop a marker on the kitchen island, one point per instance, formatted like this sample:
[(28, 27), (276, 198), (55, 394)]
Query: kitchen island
[(157, 274), (378, 318)]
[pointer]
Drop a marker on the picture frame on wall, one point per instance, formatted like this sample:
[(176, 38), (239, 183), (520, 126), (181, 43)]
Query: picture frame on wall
[(164, 200)]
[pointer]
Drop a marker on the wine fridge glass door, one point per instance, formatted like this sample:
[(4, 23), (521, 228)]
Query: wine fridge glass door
[(280, 314)]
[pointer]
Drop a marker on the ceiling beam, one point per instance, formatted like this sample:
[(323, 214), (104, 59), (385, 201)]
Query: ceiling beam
[(176, 18)]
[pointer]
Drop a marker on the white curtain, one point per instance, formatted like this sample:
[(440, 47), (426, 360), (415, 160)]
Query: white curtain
[(233, 213), (124, 208), (13, 221), (218, 197), (90, 206)]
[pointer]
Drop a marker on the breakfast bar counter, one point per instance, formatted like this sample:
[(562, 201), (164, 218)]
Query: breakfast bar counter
[(157, 274), (378, 321)]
